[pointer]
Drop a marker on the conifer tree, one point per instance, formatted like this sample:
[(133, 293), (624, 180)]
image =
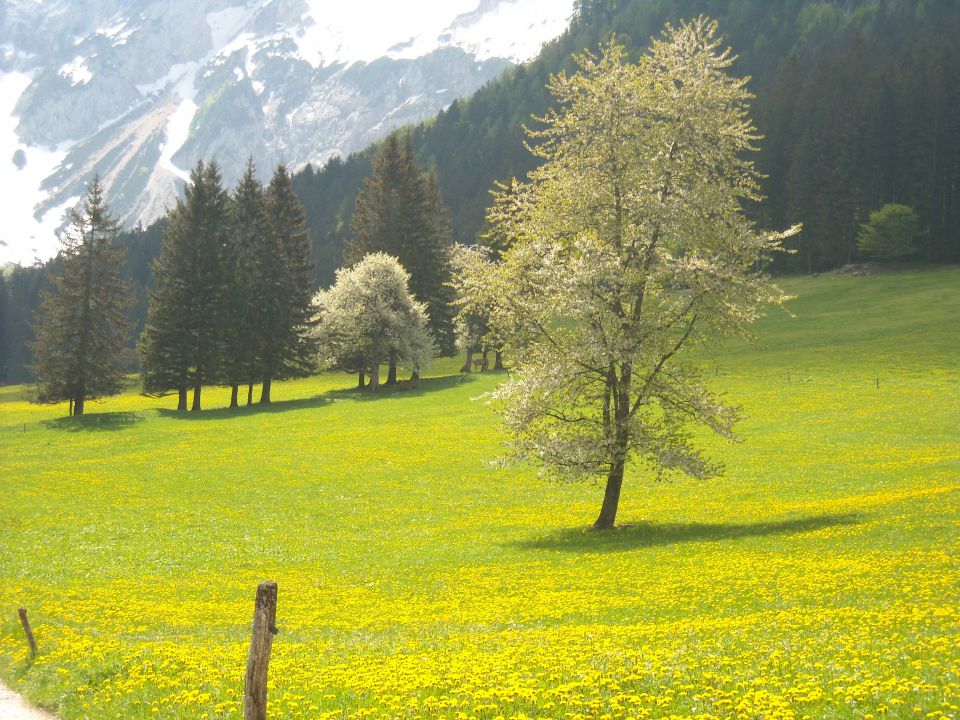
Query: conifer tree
[(81, 328), (286, 349), (400, 212), (245, 281), (181, 346), (3, 328)]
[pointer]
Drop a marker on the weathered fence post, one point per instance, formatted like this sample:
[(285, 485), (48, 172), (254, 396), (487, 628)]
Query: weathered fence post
[(27, 630), (264, 628)]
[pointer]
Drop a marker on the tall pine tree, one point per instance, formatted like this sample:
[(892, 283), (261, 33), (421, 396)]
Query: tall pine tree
[(245, 282), (181, 346), (285, 347), (399, 211), (81, 328), (3, 328)]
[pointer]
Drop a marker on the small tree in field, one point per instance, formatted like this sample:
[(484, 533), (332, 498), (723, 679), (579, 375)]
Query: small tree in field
[(472, 303), (628, 243), (891, 234), (369, 317), (81, 328)]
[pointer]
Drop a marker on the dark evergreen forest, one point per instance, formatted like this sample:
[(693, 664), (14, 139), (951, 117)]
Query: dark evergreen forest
[(858, 102)]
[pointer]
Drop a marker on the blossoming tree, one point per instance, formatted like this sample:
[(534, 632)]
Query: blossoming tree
[(627, 244), (369, 317)]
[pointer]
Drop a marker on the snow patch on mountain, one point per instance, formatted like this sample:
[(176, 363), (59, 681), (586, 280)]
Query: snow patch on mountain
[(532, 23), (118, 32), (25, 238), (510, 29), (76, 71), (177, 131), (180, 77)]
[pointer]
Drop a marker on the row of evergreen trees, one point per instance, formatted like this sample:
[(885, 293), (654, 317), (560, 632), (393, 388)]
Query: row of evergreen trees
[(233, 301), (234, 285)]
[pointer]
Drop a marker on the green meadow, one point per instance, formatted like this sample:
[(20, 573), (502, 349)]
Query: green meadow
[(819, 577)]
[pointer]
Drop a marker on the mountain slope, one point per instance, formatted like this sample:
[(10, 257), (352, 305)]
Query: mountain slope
[(138, 90)]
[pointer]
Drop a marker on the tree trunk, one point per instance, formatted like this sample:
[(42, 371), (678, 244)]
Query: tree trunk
[(486, 351), (265, 391), (415, 376), (70, 409), (182, 399), (362, 383), (392, 370), (234, 393), (469, 362), (498, 360), (618, 395), (78, 406), (375, 376), (249, 394), (611, 497), (196, 398)]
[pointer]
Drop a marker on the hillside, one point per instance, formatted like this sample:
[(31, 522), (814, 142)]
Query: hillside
[(816, 578)]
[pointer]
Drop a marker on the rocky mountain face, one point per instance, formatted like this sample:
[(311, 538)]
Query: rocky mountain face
[(138, 90)]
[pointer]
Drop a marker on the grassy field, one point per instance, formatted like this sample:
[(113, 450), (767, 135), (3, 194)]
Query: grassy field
[(819, 578)]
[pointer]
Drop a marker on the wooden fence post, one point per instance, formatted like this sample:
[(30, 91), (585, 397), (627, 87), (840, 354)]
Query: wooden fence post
[(27, 630), (258, 661)]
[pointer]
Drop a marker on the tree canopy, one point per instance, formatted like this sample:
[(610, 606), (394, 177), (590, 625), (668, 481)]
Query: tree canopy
[(891, 233), (80, 328), (627, 242), (181, 345), (399, 211), (369, 316), (285, 344)]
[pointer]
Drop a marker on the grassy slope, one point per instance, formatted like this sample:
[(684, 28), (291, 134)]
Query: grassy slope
[(817, 578)]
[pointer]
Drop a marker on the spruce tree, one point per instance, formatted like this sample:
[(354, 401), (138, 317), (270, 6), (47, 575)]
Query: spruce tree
[(3, 328), (181, 346), (399, 211), (286, 349), (244, 285), (81, 328)]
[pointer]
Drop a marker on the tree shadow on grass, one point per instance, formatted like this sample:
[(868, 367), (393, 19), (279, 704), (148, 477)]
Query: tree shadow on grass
[(398, 392), (636, 536), (276, 406), (95, 422), (385, 393)]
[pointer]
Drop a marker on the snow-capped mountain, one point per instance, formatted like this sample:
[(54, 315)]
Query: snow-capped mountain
[(138, 90)]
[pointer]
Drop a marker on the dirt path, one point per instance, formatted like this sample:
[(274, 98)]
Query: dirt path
[(13, 707)]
